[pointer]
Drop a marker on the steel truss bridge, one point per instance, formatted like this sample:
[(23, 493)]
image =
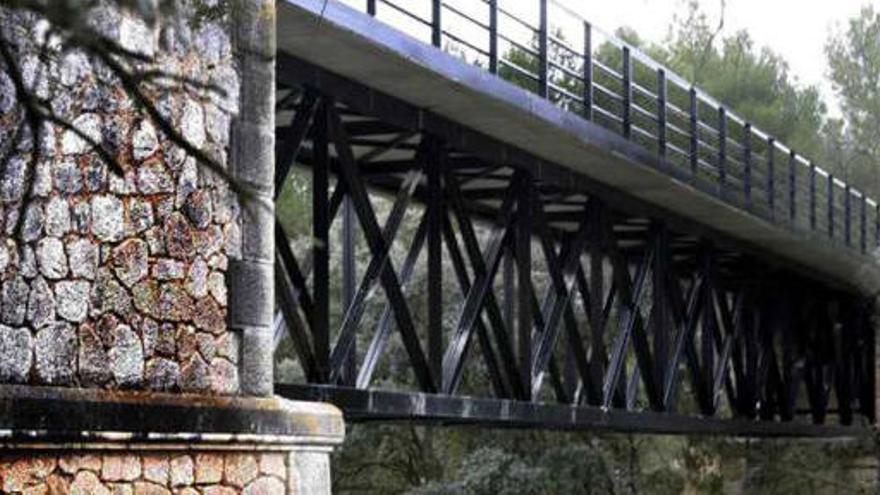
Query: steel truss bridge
[(605, 245)]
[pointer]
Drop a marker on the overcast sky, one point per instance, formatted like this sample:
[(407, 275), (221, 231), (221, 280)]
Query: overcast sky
[(796, 29)]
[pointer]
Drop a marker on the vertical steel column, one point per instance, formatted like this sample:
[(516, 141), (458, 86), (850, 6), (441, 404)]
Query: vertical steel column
[(543, 51), (435, 257), (349, 272), (523, 253), (747, 163), (371, 7), (626, 71), (252, 163), (661, 112), (695, 131), (509, 290), (588, 71), (436, 26), (722, 147), (707, 336), (660, 313), (321, 242), (771, 175), (493, 36)]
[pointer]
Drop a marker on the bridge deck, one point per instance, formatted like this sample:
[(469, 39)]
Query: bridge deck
[(352, 44)]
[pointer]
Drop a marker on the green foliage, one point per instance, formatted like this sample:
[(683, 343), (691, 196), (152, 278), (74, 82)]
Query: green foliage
[(754, 82), (854, 69)]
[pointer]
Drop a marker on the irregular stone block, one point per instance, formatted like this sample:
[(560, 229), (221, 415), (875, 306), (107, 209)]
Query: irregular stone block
[(72, 299), (55, 352), (51, 258), (14, 303), (127, 358), (16, 355), (108, 223)]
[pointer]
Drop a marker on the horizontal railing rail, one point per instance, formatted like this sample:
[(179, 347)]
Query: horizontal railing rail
[(614, 84)]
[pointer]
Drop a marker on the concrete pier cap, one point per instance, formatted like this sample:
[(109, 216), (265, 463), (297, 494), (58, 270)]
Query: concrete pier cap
[(136, 259)]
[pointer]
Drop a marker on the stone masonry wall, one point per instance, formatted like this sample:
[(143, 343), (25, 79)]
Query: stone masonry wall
[(149, 473), (119, 281)]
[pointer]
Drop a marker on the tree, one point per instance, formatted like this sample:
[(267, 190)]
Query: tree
[(755, 83), (43, 42), (854, 69)]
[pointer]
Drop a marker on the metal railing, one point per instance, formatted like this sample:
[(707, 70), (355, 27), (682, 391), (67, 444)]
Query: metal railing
[(615, 85)]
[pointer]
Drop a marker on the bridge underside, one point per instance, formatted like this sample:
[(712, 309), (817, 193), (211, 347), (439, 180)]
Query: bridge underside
[(545, 298)]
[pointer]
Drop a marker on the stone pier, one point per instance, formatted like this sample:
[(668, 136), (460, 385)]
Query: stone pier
[(135, 344)]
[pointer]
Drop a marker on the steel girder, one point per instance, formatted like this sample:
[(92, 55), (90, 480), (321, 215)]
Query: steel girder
[(587, 309)]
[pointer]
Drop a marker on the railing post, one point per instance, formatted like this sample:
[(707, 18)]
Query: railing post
[(588, 70), (812, 196), (436, 27), (493, 36), (626, 71), (371, 7), (694, 128), (771, 175), (847, 211), (722, 147), (747, 163), (792, 185), (864, 223), (876, 225), (830, 199), (661, 112), (543, 51)]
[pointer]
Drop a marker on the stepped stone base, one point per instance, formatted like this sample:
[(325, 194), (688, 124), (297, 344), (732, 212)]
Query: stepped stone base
[(62, 441)]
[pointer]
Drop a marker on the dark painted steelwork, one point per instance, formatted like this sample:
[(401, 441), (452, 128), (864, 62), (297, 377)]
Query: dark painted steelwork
[(694, 126), (863, 223), (606, 309), (829, 196), (588, 71), (792, 186), (847, 210), (543, 49), (661, 112), (722, 149), (626, 93), (493, 36), (771, 175), (321, 243), (747, 163), (436, 22), (420, 408), (812, 196)]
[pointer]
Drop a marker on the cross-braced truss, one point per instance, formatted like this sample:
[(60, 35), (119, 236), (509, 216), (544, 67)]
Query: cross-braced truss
[(568, 307)]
